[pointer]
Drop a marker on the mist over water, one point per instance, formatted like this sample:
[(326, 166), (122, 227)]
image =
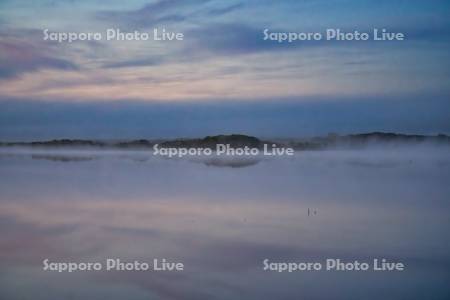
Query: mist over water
[(223, 220)]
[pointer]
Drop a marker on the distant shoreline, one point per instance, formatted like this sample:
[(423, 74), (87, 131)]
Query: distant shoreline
[(238, 140)]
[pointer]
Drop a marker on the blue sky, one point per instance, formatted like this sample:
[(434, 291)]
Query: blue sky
[(222, 68)]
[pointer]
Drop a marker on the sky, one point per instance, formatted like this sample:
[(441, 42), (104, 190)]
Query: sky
[(223, 77)]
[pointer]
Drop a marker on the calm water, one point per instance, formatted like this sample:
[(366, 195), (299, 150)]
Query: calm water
[(222, 220)]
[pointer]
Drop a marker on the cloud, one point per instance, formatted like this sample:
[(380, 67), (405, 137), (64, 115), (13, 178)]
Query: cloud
[(235, 38), (144, 62), (225, 10), (437, 32), (25, 120), (21, 52), (231, 39), (162, 11)]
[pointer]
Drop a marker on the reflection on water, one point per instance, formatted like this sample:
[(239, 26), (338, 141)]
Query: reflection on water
[(223, 222), (62, 157)]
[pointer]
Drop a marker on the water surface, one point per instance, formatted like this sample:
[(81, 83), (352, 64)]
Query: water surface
[(222, 220)]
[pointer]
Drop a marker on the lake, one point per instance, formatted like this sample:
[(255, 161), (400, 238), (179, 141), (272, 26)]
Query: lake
[(222, 220)]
